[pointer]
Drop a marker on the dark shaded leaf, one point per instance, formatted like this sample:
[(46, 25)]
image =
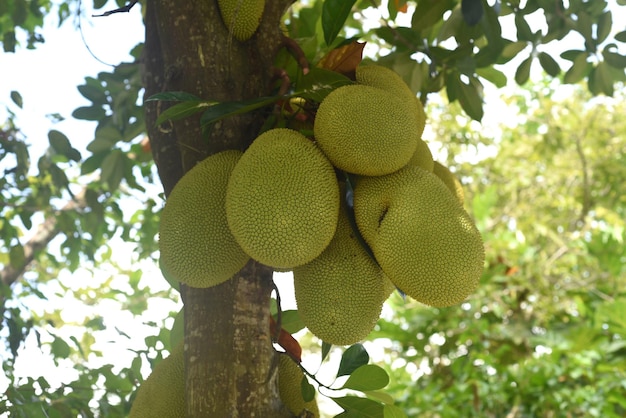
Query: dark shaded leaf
[(549, 64), (223, 110), (17, 98), (319, 82), (182, 110), (579, 69), (353, 358), (429, 12), (469, 96), (604, 25), (334, 15), (523, 71), (472, 11), (89, 113), (325, 349)]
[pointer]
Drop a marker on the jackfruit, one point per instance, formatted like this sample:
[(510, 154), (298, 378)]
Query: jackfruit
[(282, 201), (450, 180), (241, 17), (366, 130), (289, 388), (421, 236), (197, 247), (387, 79), (340, 293), (422, 157), (162, 394)]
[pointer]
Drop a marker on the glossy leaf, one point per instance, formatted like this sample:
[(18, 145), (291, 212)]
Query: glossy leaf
[(334, 15), (363, 407), (367, 377), (354, 357), (344, 59)]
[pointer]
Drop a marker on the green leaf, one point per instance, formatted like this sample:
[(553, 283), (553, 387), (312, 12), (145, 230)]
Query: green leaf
[(380, 396), (59, 178), (94, 93), (174, 96), (93, 163), (523, 71), (59, 348), (367, 377), (307, 389), (177, 332), (600, 80), (334, 15), (621, 36), (494, 76), (17, 98), (363, 407), (472, 11), (470, 98), (392, 411), (549, 64), (17, 257), (605, 22), (319, 82), (290, 321), (182, 110), (353, 358), (325, 349), (579, 69), (61, 145), (523, 30), (614, 59), (223, 110), (429, 12), (89, 113), (113, 168), (511, 50)]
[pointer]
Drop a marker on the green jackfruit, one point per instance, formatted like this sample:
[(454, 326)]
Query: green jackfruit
[(387, 79), (162, 394), (197, 247), (366, 130), (282, 201), (289, 388), (242, 17), (449, 179), (420, 234), (422, 157), (340, 293)]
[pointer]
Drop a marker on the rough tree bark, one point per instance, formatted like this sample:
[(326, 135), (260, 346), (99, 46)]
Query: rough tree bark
[(228, 350)]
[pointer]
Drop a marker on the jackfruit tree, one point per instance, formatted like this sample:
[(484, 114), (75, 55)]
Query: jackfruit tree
[(285, 136)]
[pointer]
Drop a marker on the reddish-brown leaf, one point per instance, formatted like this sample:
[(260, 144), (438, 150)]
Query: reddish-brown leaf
[(286, 341), (344, 59)]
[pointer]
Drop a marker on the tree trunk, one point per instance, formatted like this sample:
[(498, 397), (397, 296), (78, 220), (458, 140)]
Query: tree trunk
[(228, 350)]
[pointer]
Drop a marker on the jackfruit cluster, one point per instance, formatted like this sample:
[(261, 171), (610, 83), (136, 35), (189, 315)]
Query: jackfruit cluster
[(356, 210)]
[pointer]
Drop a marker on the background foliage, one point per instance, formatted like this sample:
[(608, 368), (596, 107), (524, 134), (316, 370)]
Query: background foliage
[(543, 336)]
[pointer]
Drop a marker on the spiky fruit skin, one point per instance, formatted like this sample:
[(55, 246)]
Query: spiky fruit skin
[(340, 293), (282, 201), (422, 157), (241, 17), (450, 180), (387, 79), (421, 236), (366, 130), (162, 394), (289, 384), (197, 247)]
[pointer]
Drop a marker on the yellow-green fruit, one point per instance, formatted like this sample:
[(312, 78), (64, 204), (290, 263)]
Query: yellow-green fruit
[(340, 294), (162, 394), (241, 17), (422, 237), (366, 130), (449, 179), (422, 157), (282, 201), (289, 388), (197, 247), (387, 79)]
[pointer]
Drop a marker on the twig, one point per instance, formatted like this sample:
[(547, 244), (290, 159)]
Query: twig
[(124, 9)]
